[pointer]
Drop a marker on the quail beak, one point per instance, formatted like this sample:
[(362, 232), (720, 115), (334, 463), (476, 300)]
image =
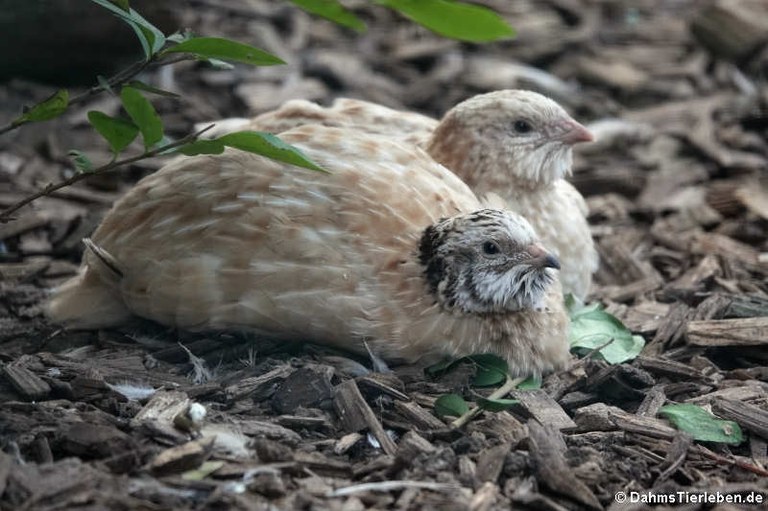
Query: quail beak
[(540, 258), (571, 132)]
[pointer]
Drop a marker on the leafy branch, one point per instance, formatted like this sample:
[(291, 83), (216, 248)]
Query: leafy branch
[(7, 213), (446, 17), (490, 370)]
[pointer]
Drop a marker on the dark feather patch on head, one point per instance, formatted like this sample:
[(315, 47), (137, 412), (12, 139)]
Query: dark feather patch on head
[(434, 265)]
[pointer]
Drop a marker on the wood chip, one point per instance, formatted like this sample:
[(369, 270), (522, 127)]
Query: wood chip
[(602, 417), (346, 442), (749, 391), (263, 429), (27, 383), (654, 399), (733, 29), (418, 416), (485, 497), (748, 416), (182, 458), (543, 408), (489, 464), (678, 370), (95, 441), (548, 456), (356, 415), (162, 408), (675, 457), (755, 197), (728, 332), (411, 445), (259, 387), (306, 387), (301, 422), (713, 243)]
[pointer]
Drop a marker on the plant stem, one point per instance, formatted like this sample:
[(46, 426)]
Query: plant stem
[(5, 216), (499, 393), (121, 77)]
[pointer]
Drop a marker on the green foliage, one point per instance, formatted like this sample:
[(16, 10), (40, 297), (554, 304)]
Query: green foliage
[(332, 10), (702, 425), (592, 327), (151, 38), (152, 90), (257, 142), (531, 383), (456, 20), (143, 115), (495, 405), (49, 108), (490, 370), (451, 404), (118, 132), (224, 49), (123, 4), (449, 18), (82, 163)]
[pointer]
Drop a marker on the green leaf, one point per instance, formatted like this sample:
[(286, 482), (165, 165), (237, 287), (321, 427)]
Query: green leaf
[(118, 132), (491, 369), (104, 84), (456, 20), (264, 144), (488, 377), (219, 64), (49, 108), (451, 404), (530, 383), (178, 37), (150, 37), (82, 163), (143, 115), (202, 147), (332, 10), (495, 405), (152, 90), (489, 361), (123, 4), (592, 327), (702, 425), (224, 49), (441, 367), (270, 146)]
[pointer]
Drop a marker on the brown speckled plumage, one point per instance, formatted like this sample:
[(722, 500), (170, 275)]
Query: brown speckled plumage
[(238, 241), (478, 141)]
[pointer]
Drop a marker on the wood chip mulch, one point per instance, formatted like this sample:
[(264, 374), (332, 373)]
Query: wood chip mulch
[(677, 185)]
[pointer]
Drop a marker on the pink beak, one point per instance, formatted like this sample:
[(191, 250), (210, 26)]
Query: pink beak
[(571, 132), (541, 257)]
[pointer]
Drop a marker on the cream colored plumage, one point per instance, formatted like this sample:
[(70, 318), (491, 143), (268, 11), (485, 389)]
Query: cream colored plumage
[(390, 248), (478, 140)]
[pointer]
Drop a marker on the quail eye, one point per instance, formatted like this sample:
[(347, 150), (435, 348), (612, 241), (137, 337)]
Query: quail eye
[(490, 248), (522, 126)]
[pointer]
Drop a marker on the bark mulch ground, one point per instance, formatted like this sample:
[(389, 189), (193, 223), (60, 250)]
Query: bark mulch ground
[(677, 184)]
